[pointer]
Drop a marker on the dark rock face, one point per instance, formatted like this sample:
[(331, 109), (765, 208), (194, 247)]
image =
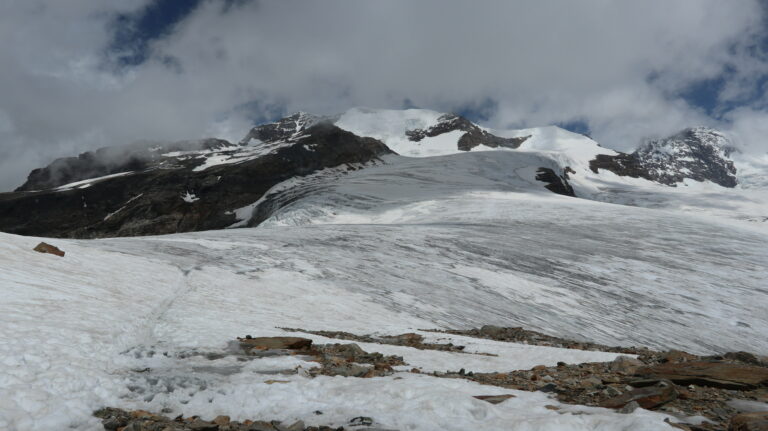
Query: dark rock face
[(175, 194), (700, 154), (555, 183), (284, 129), (473, 137), (112, 160)]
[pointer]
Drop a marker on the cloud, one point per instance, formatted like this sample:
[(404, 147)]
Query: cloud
[(622, 68)]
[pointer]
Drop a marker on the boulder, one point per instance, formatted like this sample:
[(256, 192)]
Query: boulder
[(221, 420), (409, 339), (746, 357), (677, 356), (492, 331), (625, 365), (44, 247), (271, 343), (749, 422), (716, 374), (647, 398)]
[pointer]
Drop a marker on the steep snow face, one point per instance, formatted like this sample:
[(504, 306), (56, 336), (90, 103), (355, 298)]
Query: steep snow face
[(398, 128), (421, 132), (390, 126)]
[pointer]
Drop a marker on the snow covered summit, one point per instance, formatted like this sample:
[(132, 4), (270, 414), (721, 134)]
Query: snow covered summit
[(213, 184)]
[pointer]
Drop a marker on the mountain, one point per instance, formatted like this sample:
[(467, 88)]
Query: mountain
[(700, 154), (160, 188), (443, 287), (194, 186)]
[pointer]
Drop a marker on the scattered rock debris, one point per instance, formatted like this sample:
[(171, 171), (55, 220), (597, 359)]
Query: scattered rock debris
[(249, 343), (139, 420), (524, 336), (409, 340), (729, 390), (673, 382), (347, 360)]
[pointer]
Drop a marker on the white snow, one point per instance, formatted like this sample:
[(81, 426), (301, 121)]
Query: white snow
[(438, 240), (76, 329), (190, 197), (89, 182), (112, 214)]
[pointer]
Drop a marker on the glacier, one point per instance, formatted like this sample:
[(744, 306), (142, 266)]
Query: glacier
[(441, 239)]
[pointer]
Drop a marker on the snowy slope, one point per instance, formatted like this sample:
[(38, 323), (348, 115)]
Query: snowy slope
[(390, 125), (77, 333)]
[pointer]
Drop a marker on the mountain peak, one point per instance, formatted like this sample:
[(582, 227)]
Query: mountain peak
[(698, 153)]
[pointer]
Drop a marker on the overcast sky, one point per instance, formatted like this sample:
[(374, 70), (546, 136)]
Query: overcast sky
[(80, 74)]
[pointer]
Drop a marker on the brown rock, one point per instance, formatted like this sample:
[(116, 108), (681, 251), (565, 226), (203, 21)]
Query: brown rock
[(745, 357), (749, 422), (625, 364), (146, 414), (272, 382), (648, 398), (494, 399), (677, 356), (716, 374), (269, 343), (409, 339), (539, 368), (221, 420), (50, 249)]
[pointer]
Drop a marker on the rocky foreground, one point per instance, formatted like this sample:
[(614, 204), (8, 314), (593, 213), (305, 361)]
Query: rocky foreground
[(704, 393)]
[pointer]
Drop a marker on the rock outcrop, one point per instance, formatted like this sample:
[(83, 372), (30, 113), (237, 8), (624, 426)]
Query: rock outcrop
[(473, 136), (700, 154)]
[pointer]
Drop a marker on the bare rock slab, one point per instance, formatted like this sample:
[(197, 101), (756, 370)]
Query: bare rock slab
[(716, 374)]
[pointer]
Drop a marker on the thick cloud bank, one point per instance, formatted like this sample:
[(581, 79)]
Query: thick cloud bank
[(86, 73)]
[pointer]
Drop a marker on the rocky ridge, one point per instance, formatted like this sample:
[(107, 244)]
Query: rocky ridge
[(473, 136), (701, 154), (179, 191)]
